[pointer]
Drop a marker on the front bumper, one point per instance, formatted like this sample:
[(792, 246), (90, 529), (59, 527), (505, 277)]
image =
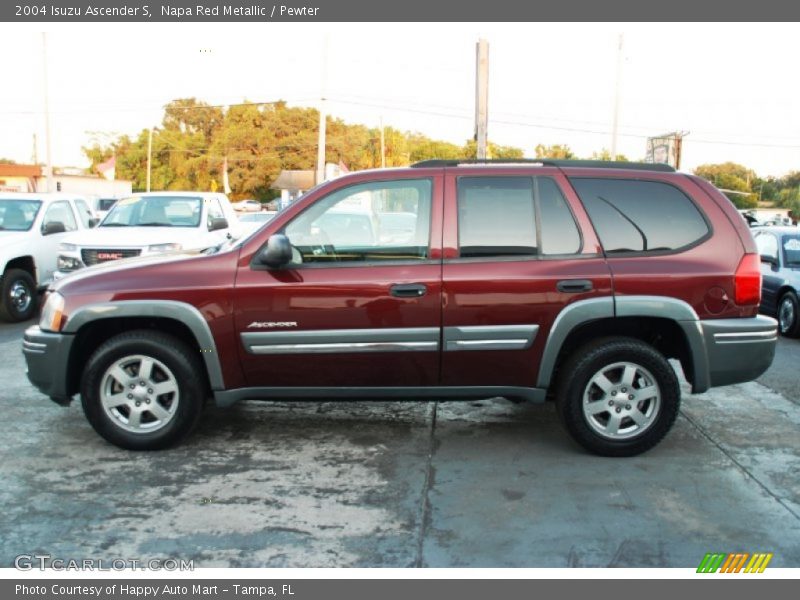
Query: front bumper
[(739, 350), (47, 358)]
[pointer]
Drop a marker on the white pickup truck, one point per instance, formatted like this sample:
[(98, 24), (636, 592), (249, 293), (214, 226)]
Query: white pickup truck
[(31, 228), (151, 223)]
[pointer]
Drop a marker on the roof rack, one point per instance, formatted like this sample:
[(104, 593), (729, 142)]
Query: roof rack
[(547, 162)]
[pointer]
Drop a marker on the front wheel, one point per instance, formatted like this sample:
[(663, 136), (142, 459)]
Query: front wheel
[(19, 296), (618, 396), (142, 390)]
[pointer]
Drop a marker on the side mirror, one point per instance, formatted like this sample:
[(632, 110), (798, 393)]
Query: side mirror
[(218, 223), (768, 258), (93, 222), (277, 253), (52, 227)]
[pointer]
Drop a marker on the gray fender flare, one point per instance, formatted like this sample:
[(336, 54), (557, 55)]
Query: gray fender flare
[(663, 307), (164, 309)]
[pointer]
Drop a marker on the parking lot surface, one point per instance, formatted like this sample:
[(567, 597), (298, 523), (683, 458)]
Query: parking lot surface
[(390, 484)]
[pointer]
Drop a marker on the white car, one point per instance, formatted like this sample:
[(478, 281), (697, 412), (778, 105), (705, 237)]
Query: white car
[(248, 206), (31, 228), (151, 223)]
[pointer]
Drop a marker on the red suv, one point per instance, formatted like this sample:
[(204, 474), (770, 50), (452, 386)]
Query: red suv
[(574, 281)]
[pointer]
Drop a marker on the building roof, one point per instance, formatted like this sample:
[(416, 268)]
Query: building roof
[(13, 170), (294, 180)]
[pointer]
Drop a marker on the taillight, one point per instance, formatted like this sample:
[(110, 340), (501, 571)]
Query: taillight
[(747, 281)]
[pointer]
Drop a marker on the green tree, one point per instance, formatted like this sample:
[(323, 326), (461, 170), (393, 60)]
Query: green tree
[(605, 154), (734, 180), (195, 139), (555, 151), (495, 151)]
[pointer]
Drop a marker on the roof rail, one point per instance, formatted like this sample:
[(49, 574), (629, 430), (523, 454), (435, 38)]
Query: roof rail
[(547, 162)]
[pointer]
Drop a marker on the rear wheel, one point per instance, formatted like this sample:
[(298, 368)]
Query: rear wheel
[(789, 315), (618, 396), (142, 390), (18, 302)]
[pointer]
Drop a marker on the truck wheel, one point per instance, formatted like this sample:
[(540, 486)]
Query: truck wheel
[(141, 390), (789, 315), (19, 296), (618, 396)]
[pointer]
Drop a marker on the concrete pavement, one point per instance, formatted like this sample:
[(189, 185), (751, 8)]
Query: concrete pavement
[(371, 484)]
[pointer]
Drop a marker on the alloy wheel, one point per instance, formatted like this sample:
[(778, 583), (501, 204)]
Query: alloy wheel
[(139, 393), (621, 401)]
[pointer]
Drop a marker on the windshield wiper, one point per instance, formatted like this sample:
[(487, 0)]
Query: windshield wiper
[(113, 225), (154, 224)]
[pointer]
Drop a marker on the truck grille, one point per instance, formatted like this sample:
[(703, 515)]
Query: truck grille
[(92, 256)]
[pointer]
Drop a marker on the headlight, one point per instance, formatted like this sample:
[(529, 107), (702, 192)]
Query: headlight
[(164, 248), (52, 312), (62, 247), (67, 263)]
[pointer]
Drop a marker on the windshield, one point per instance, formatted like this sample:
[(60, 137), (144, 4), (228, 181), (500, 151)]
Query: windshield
[(18, 215), (155, 211), (791, 249)]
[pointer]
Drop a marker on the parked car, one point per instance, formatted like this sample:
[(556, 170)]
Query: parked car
[(248, 206), (779, 248), (103, 205), (31, 228), (253, 221), (572, 281), (150, 223)]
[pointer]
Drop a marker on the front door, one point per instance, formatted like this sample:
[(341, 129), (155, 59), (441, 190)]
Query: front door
[(60, 211), (360, 303)]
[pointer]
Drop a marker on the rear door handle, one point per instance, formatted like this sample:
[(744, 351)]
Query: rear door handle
[(408, 290), (573, 286)]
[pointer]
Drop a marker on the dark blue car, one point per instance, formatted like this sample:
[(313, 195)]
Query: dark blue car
[(780, 270)]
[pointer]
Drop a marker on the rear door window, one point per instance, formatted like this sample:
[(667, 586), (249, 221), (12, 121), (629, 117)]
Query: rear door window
[(640, 216), (514, 216)]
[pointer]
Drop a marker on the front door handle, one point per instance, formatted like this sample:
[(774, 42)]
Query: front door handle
[(573, 286), (408, 290)]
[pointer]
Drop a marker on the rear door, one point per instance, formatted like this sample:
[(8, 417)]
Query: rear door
[(518, 249), (360, 304)]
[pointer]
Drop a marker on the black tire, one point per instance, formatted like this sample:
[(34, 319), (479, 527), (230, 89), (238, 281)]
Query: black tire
[(789, 315), (175, 366), (19, 296), (644, 412)]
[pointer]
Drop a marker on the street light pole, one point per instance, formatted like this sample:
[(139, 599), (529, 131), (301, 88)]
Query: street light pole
[(322, 116), (149, 155), (48, 173), (616, 101)]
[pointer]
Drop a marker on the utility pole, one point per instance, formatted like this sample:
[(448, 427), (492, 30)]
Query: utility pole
[(482, 100), (383, 147), (616, 101), (149, 155), (322, 117), (48, 172)]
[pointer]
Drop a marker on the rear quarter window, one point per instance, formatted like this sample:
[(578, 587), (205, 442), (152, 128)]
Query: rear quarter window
[(640, 216)]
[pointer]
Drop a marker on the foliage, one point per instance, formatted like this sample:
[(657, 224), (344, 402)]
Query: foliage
[(554, 151), (605, 154), (259, 140), (731, 178)]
